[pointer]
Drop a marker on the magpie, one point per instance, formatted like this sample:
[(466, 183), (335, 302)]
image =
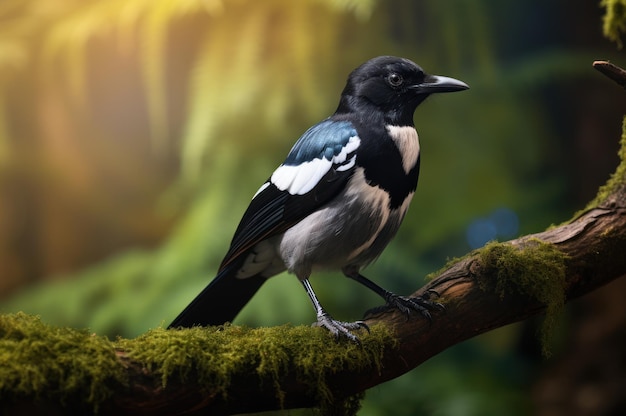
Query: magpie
[(335, 202)]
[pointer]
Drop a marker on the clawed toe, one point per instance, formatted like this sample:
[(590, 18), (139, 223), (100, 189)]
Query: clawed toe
[(339, 328), (421, 304)]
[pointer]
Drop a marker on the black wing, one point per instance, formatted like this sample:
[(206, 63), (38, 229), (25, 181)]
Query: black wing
[(316, 169)]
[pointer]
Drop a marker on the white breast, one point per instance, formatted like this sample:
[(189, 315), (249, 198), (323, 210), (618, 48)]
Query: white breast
[(407, 141)]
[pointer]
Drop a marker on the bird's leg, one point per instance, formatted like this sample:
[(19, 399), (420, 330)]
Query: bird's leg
[(337, 328), (421, 304)]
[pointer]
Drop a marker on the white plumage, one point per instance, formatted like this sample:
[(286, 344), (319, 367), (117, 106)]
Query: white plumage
[(302, 178)]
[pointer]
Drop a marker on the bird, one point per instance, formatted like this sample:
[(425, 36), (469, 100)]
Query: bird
[(335, 202)]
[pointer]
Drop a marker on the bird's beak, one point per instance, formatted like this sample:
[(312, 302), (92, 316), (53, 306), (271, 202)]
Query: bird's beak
[(437, 83)]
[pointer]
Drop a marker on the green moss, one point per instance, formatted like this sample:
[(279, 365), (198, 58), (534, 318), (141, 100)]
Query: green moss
[(449, 263), (73, 366), (614, 21), (617, 178), (62, 364), (214, 356), (536, 269)]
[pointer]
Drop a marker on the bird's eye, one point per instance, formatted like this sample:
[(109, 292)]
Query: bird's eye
[(395, 80)]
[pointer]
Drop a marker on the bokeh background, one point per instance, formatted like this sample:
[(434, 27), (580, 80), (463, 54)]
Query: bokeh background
[(133, 133)]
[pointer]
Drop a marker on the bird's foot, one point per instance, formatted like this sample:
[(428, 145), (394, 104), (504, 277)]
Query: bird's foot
[(339, 328), (422, 304)]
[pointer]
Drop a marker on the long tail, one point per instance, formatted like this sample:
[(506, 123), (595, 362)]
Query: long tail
[(220, 301)]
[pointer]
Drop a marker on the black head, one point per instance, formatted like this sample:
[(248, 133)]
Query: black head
[(394, 86)]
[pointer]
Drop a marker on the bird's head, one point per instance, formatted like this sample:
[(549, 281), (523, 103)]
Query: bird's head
[(394, 86)]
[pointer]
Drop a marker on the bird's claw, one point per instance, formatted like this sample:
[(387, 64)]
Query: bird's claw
[(339, 328), (422, 304)]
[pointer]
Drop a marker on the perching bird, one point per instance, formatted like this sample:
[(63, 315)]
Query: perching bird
[(336, 201)]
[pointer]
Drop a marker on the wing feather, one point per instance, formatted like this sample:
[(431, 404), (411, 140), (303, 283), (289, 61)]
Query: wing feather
[(317, 168)]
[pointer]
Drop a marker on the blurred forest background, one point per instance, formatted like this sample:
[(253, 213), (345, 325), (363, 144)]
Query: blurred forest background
[(133, 134)]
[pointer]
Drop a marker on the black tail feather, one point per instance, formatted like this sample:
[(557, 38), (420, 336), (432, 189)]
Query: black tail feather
[(219, 302)]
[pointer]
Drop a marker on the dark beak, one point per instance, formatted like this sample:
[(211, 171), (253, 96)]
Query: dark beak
[(436, 83)]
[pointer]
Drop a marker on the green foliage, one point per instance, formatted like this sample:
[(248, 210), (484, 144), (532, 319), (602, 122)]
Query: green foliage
[(614, 22), (469, 379), (537, 269)]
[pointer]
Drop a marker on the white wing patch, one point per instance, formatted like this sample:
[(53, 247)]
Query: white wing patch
[(348, 165), (302, 178), (407, 141)]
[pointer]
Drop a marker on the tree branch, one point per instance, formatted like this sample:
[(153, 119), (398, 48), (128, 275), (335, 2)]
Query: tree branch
[(175, 372), (613, 72)]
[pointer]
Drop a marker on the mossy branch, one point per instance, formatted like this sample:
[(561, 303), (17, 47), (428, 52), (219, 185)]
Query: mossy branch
[(46, 370)]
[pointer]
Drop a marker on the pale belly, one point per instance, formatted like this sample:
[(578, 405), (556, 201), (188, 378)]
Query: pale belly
[(353, 230)]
